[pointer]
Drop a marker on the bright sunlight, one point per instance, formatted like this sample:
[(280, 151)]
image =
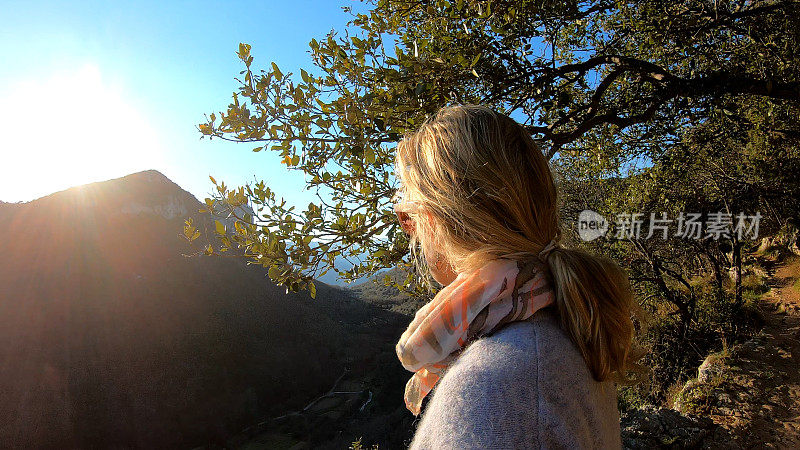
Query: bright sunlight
[(69, 128)]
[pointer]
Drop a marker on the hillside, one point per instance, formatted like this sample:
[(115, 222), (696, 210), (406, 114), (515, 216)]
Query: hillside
[(748, 394), (111, 337), (374, 292), (752, 390)]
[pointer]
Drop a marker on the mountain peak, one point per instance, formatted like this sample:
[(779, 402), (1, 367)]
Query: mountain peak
[(151, 176), (151, 192), (148, 191)]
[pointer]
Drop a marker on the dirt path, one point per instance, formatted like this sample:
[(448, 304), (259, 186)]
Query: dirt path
[(756, 396)]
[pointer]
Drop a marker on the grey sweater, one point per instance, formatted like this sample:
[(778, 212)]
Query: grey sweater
[(525, 386)]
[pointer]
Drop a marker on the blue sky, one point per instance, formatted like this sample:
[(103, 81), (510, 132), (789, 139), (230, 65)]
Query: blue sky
[(95, 90)]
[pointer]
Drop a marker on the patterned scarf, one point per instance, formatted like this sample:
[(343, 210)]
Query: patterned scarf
[(475, 304)]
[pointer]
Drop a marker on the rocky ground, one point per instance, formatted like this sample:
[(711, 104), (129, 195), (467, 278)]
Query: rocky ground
[(745, 397)]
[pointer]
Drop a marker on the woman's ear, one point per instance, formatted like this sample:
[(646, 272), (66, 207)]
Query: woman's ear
[(442, 271)]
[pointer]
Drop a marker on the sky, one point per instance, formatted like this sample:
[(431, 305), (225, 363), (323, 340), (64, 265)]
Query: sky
[(91, 91)]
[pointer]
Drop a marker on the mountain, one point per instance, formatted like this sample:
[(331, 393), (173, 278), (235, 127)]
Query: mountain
[(374, 292), (110, 337)]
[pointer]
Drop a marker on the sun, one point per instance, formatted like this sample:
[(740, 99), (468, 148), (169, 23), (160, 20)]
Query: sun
[(70, 128)]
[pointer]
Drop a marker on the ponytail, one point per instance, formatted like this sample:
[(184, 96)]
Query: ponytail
[(594, 301)]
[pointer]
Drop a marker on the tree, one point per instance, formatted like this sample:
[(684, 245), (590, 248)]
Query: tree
[(609, 86), (736, 161)]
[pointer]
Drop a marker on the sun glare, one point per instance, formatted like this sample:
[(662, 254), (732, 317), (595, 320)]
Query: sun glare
[(67, 129)]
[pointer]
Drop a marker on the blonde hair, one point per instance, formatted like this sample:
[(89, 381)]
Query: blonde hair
[(485, 191)]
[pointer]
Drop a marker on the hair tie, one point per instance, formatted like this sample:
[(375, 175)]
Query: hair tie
[(552, 245)]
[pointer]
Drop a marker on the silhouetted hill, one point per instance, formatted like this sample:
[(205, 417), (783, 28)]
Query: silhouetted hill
[(110, 337)]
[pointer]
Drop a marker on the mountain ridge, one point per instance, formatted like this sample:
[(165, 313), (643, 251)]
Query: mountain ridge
[(112, 337), (144, 175)]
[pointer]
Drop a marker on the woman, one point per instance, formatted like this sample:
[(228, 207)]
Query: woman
[(526, 340)]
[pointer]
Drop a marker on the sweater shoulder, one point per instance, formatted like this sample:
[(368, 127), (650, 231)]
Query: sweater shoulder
[(521, 349), (525, 386), (507, 352), (486, 397)]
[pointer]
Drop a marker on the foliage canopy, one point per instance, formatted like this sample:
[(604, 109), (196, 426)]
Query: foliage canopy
[(608, 88)]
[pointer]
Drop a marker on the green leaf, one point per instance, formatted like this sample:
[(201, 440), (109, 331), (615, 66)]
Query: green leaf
[(312, 289), (277, 71), (220, 227), (475, 60), (244, 50), (369, 156)]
